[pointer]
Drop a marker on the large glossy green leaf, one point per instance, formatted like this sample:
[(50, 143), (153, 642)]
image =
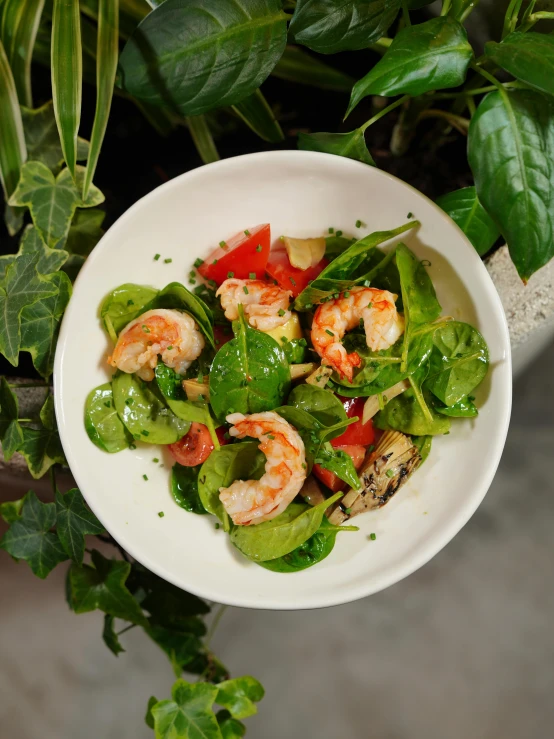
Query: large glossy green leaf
[(329, 26), (429, 56), (296, 65), (106, 67), (189, 714), (351, 145), (42, 137), (52, 200), (67, 73), (20, 20), (511, 154), (528, 56), (29, 537), (13, 151), (256, 113), (195, 55), (466, 211)]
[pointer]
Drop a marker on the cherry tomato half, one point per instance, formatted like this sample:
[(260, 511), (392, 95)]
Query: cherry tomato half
[(334, 483), (289, 277), (356, 433), (196, 446), (244, 254)]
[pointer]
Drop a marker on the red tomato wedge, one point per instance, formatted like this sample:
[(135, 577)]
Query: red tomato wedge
[(356, 433), (196, 446), (244, 254), (334, 483), (289, 277)]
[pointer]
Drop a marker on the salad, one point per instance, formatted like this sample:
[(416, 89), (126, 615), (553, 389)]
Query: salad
[(295, 384)]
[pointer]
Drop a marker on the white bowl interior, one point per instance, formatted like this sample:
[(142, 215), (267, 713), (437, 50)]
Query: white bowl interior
[(302, 194)]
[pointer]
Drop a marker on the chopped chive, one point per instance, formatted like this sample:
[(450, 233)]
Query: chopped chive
[(145, 328), (361, 322), (331, 230), (270, 436), (214, 261), (155, 460), (161, 514), (247, 232), (275, 282), (304, 466), (169, 348), (132, 446), (370, 305), (145, 433), (259, 248), (389, 473), (339, 233), (329, 332), (284, 339), (230, 410), (346, 294), (281, 312), (216, 341), (358, 223), (108, 404), (252, 275), (156, 257), (318, 378), (145, 477), (222, 244), (371, 447), (292, 281), (367, 283), (281, 238), (348, 511), (130, 302), (168, 261), (192, 274), (245, 289), (198, 262), (410, 215), (373, 537), (192, 282), (230, 274), (309, 305), (216, 525)]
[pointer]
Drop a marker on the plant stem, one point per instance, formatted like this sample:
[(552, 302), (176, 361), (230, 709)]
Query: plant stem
[(383, 112), (406, 13), (127, 628), (477, 91), (214, 624), (510, 19), (53, 478), (17, 385), (456, 121), (542, 15), (445, 6), (380, 46), (25, 420), (488, 76)]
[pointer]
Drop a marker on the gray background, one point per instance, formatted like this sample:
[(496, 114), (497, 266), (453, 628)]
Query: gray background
[(462, 649)]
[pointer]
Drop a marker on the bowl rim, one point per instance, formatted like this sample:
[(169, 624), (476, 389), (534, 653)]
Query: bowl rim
[(425, 552)]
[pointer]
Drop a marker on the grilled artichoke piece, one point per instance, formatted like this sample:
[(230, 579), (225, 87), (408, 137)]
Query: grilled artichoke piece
[(372, 405), (383, 472)]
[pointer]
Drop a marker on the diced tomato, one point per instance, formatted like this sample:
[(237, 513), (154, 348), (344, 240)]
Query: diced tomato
[(244, 254), (356, 433), (289, 277), (220, 433), (334, 483), (196, 446), (222, 334)]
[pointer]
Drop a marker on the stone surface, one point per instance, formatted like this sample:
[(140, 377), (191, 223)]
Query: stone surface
[(462, 648)]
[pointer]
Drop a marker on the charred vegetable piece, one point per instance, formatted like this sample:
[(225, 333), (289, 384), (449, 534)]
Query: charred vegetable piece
[(384, 471), (320, 376)]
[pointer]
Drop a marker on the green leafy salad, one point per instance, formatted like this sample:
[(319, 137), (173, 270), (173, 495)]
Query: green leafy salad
[(294, 384)]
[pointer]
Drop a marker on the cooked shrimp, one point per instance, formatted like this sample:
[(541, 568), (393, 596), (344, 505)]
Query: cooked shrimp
[(383, 326), (170, 333), (254, 501), (265, 305)]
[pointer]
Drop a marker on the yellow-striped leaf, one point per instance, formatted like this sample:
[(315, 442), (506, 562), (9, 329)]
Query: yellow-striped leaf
[(67, 64), (20, 20), (12, 139)]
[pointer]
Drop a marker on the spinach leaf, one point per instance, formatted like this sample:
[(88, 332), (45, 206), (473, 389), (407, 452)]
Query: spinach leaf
[(405, 413), (294, 349), (169, 383), (285, 532), (142, 409), (464, 408), (103, 426), (249, 374), (339, 462), (312, 551), (176, 296), (423, 444), (339, 274), (322, 404), (184, 488), (124, 304), (335, 245), (418, 294), (459, 361), (242, 461)]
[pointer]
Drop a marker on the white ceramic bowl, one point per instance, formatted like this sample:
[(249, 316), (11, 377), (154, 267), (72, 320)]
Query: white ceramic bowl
[(302, 194)]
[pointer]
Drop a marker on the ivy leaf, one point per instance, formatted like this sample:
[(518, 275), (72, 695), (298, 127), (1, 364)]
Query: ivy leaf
[(167, 604), (10, 511), (230, 728), (466, 211), (52, 200), (21, 286), (511, 155), (111, 640), (11, 433), (31, 243), (149, 719), (30, 538), (12, 440), (42, 447), (189, 715), (528, 56), (40, 324), (85, 231), (181, 647), (102, 586), (74, 521), (351, 145), (203, 54), (328, 26), (43, 140), (429, 56), (240, 695)]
